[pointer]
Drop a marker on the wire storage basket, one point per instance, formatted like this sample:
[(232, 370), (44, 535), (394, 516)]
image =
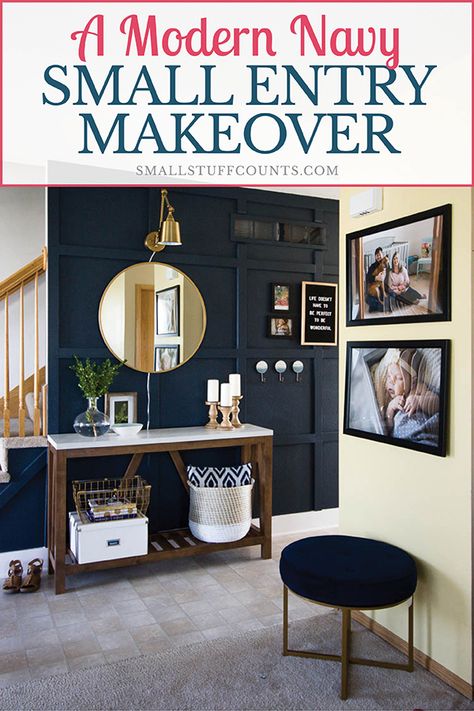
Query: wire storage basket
[(220, 514), (110, 499)]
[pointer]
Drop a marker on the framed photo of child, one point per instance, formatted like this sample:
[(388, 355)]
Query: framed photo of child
[(280, 327), (396, 392), (400, 271)]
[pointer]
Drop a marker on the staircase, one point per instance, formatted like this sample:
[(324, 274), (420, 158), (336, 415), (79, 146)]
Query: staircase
[(23, 409)]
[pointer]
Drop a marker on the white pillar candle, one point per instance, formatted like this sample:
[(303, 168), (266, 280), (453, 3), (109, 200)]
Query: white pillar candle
[(226, 399), (213, 391), (234, 381)]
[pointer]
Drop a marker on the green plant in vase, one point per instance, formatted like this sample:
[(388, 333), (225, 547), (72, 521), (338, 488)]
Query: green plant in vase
[(94, 379)]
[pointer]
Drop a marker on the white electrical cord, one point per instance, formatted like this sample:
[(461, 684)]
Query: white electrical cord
[(148, 379), (148, 401)]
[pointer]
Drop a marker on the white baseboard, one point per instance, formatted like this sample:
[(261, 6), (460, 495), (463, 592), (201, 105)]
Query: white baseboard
[(304, 522), (287, 524), (25, 557)]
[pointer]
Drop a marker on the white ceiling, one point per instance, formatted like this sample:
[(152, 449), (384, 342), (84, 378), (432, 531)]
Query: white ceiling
[(330, 193)]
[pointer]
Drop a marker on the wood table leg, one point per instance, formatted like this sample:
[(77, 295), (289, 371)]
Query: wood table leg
[(49, 513), (180, 468), (264, 459), (60, 512), (246, 454), (132, 468)]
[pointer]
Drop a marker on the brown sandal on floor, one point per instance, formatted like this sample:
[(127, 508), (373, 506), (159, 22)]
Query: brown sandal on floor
[(32, 581), (12, 584)]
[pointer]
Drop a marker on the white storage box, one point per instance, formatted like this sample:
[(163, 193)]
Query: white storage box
[(108, 540)]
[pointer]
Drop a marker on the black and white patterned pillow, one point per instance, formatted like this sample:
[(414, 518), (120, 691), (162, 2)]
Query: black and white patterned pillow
[(220, 476)]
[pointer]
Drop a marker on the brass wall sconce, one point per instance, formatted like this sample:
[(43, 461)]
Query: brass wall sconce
[(167, 233)]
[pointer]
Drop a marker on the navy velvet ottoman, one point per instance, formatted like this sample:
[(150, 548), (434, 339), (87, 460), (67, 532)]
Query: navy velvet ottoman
[(352, 574)]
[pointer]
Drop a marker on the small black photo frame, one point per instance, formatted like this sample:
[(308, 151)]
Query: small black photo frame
[(280, 327), (397, 392), (167, 312), (400, 271), (318, 313), (280, 297)]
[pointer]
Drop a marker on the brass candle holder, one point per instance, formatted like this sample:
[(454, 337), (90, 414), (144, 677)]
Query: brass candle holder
[(226, 424), (235, 410), (212, 424)]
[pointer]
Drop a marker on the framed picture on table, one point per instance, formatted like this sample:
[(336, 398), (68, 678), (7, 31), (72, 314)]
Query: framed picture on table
[(121, 408)]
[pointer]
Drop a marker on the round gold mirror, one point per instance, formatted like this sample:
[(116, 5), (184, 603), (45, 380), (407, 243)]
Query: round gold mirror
[(153, 316)]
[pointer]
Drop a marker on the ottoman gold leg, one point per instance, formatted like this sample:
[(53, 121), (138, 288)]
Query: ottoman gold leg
[(346, 651), (345, 657), (410, 636), (285, 621)]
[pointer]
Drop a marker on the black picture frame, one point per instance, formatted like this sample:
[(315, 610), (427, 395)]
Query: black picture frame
[(422, 242), (422, 368), (173, 350), (277, 296), (282, 331), (167, 311), (319, 312)]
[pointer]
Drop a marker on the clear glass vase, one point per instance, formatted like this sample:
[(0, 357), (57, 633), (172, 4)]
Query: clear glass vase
[(92, 422)]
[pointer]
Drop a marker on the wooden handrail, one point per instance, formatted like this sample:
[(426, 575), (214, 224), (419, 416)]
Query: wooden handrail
[(36, 386), (21, 386), (25, 274), (16, 282), (6, 381)]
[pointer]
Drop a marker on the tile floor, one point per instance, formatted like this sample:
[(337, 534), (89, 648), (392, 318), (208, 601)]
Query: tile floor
[(111, 615)]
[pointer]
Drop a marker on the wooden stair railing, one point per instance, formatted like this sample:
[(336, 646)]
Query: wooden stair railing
[(14, 401)]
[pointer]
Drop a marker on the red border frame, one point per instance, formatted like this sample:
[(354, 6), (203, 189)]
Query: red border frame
[(231, 185)]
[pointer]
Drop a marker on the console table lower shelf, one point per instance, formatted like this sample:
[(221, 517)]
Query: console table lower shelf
[(164, 545), (256, 447)]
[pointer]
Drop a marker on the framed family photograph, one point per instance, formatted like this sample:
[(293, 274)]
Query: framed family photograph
[(167, 312), (121, 408), (396, 392), (166, 357), (280, 327), (280, 297), (399, 271)]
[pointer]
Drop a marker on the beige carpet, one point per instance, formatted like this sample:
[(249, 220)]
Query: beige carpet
[(245, 672)]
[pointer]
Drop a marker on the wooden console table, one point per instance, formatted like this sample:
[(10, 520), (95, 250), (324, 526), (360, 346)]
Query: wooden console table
[(256, 447)]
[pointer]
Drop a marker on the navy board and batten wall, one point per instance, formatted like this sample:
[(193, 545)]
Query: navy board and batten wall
[(229, 250)]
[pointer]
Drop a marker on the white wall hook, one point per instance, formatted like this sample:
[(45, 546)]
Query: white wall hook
[(280, 367), (262, 367), (298, 368)]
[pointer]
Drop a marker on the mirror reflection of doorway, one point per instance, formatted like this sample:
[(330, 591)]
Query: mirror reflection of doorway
[(144, 334), (152, 316)]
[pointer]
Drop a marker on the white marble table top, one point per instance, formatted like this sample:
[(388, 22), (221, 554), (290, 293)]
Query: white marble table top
[(162, 436)]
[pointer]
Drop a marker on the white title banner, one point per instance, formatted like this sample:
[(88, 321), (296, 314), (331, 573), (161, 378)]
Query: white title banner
[(256, 93)]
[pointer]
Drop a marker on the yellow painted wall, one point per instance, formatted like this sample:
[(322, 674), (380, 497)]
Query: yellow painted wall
[(420, 502)]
